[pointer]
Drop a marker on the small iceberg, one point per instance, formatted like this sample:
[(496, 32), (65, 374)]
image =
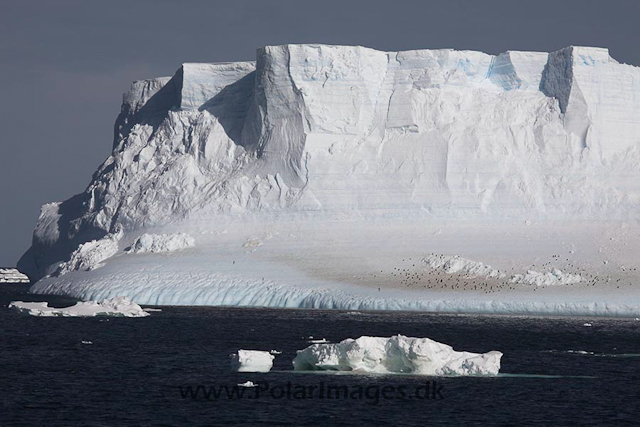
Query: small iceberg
[(12, 275), (118, 306), (248, 384), (252, 361), (397, 354)]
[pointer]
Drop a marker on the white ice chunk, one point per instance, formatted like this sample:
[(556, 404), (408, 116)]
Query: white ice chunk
[(118, 306), (252, 361), (549, 278), (451, 264), (12, 275), (91, 255), (248, 384), (161, 243), (398, 354)]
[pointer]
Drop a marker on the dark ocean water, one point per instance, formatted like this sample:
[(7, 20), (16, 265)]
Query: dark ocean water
[(133, 371)]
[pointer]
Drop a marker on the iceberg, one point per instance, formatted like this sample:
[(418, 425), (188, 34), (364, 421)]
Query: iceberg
[(307, 175), (249, 384), (118, 306), (397, 354), (12, 275), (252, 361)]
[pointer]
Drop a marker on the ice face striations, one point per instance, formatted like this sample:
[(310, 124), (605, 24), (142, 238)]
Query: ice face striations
[(335, 131)]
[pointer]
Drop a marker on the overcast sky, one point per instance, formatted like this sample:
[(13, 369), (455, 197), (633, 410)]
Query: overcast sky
[(65, 64)]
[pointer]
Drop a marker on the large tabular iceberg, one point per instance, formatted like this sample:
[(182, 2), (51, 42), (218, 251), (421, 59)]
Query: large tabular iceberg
[(398, 354), (302, 175)]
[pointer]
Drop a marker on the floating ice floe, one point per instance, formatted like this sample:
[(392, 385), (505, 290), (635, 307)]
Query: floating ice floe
[(397, 354), (12, 275), (118, 306), (587, 324), (275, 352), (247, 384), (252, 361), (155, 243)]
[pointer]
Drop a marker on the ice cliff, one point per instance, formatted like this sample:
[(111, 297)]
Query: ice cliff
[(317, 131)]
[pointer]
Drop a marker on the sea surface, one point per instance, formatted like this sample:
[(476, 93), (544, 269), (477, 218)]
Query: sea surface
[(156, 371)]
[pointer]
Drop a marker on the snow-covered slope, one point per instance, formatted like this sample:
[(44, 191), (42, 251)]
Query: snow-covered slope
[(314, 133)]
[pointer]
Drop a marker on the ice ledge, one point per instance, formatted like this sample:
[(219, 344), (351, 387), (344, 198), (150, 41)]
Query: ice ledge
[(202, 289)]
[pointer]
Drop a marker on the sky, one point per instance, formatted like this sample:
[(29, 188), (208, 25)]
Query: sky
[(65, 64)]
